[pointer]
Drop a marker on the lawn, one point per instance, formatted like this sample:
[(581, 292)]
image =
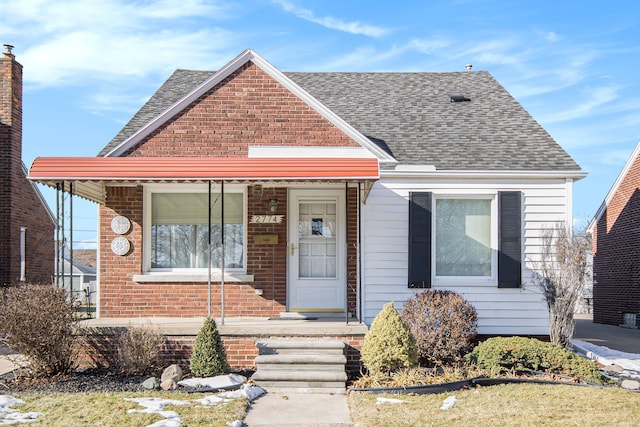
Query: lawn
[(502, 405), (110, 409)]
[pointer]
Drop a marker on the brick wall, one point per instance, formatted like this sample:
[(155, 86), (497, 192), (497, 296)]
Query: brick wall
[(20, 204), (248, 108), (616, 263), (241, 350), (120, 296)]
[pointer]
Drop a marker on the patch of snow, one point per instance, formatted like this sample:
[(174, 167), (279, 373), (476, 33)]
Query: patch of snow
[(382, 400), (218, 382), (251, 392), (156, 405), (8, 415), (630, 362), (448, 403)]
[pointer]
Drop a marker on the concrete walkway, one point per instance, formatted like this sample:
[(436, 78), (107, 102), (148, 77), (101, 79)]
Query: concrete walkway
[(299, 409), (613, 337)]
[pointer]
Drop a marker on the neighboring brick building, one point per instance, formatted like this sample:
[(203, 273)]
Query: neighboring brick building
[(27, 226), (616, 250)]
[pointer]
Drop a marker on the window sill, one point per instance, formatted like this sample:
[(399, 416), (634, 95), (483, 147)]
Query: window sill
[(192, 278)]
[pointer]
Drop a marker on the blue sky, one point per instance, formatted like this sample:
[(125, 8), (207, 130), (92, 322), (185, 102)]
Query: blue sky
[(90, 64)]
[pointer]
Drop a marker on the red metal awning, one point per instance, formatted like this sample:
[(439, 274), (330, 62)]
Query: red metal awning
[(91, 174)]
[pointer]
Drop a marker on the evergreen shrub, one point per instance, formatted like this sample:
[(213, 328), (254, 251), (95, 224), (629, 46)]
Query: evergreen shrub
[(508, 354), (209, 358), (389, 344)]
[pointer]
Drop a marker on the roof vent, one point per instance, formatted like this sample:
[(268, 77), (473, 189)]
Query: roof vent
[(457, 97)]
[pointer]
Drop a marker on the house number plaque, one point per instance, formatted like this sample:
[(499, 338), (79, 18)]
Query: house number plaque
[(266, 219)]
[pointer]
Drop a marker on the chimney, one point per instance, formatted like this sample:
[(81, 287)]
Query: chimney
[(10, 103), (468, 66), (11, 172)]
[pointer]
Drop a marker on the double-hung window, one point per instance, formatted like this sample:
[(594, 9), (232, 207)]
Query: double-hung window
[(458, 239), (464, 237), (185, 229)]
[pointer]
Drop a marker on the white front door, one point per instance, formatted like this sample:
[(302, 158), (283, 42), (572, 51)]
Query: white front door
[(317, 268)]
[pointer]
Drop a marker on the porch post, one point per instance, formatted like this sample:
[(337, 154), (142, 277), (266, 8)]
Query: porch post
[(359, 256), (71, 240), (222, 251), (209, 257), (63, 237), (346, 229), (57, 272)]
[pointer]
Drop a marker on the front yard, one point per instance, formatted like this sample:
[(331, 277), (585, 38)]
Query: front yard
[(501, 405)]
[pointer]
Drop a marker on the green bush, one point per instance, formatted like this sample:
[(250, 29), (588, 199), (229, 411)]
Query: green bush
[(208, 358), (443, 323), (37, 321), (389, 344), (507, 354)]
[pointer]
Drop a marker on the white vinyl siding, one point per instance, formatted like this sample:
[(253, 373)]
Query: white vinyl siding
[(500, 311)]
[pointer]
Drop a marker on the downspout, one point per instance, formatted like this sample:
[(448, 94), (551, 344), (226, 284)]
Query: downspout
[(23, 254), (223, 260)]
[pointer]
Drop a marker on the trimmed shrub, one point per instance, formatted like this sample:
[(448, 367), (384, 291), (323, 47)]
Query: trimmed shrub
[(443, 323), (138, 350), (388, 345), (508, 354), (208, 358), (37, 321)]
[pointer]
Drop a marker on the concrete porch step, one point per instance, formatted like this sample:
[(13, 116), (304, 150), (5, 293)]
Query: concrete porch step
[(306, 365)]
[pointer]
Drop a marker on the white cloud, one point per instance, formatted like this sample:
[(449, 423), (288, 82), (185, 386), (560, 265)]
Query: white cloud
[(72, 42), (587, 107), (333, 23)]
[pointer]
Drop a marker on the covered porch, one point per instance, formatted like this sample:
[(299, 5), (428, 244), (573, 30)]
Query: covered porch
[(297, 251)]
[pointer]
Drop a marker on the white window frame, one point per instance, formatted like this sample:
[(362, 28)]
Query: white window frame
[(150, 189), (491, 280)]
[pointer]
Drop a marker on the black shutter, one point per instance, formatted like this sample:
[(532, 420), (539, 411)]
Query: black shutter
[(420, 240), (509, 239)]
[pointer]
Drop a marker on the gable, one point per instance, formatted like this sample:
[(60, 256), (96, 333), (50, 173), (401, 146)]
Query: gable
[(624, 187), (248, 108)]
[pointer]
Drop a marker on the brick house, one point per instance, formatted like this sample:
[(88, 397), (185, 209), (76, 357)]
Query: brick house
[(616, 253), (27, 248), (334, 193)]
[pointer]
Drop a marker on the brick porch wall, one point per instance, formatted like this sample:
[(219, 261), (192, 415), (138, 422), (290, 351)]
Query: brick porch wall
[(241, 351)]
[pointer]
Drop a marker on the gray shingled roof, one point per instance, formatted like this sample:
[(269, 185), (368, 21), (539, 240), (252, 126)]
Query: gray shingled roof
[(410, 116)]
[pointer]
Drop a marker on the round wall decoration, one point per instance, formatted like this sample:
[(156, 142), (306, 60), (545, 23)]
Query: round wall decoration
[(120, 224), (120, 246)]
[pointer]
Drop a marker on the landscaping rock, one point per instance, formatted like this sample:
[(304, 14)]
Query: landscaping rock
[(613, 369), (173, 372), (151, 383), (168, 384), (630, 384)]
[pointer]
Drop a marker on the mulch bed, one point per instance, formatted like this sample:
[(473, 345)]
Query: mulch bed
[(90, 380)]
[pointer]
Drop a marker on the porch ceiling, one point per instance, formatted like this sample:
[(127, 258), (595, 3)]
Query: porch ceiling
[(90, 175)]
